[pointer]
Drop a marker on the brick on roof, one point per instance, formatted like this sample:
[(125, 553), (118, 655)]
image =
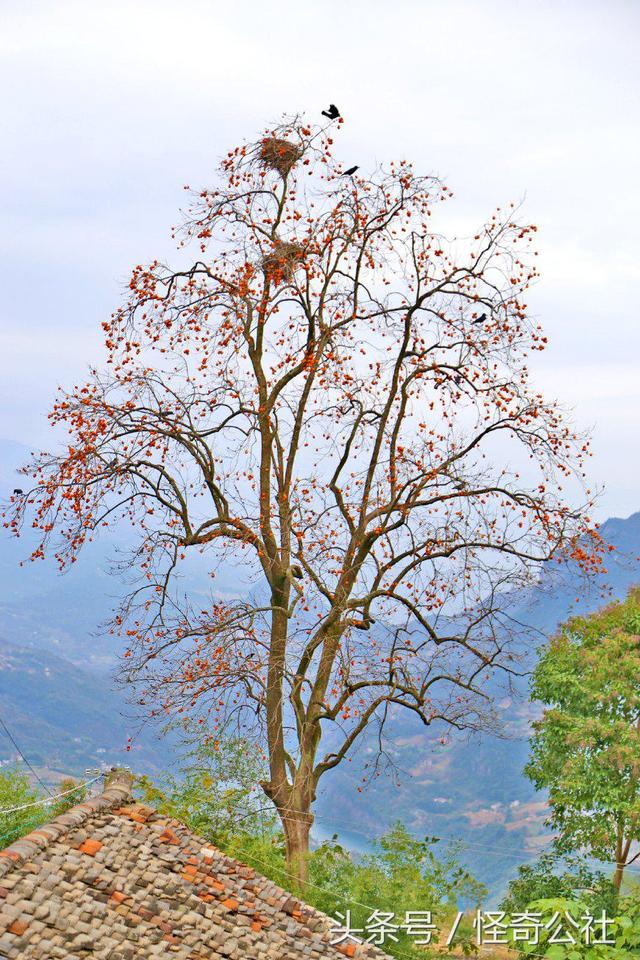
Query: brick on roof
[(112, 879)]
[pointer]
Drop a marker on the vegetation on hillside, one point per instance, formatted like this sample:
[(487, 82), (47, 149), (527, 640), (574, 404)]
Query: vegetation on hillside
[(217, 795), (24, 807)]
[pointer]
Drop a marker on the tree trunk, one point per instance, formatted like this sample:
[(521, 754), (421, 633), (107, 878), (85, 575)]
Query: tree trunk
[(622, 852), (297, 827), (617, 877)]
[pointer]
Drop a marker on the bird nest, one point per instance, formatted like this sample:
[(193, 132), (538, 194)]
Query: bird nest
[(279, 154), (281, 263)]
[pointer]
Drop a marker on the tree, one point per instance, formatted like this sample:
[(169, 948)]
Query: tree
[(334, 397), (16, 791), (400, 874), (68, 794), (28, 806), (554, 876), (586, 747), (217, 791)]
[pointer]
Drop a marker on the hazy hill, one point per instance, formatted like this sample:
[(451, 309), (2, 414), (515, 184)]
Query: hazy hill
[(65, 718)]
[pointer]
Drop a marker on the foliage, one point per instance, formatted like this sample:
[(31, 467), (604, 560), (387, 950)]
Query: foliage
[(586, 747), (68, 794), (402, 873), (623, 929), (554, 875), (16, 790), (217, 792)]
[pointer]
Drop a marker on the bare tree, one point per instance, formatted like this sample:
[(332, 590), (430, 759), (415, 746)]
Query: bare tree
[(335, 397)]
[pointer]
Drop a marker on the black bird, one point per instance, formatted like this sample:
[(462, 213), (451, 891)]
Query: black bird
[(18, 492), (350, 172), (332, 113), (481, 318)]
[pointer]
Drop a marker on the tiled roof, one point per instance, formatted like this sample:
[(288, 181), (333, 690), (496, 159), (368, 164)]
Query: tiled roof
[(115, 880)]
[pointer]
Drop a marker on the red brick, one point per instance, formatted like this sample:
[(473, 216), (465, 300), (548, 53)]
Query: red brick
[(168, 836), (230, 903), (90, 847), (18, 927)]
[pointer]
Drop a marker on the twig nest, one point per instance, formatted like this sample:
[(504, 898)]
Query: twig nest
[(279, 154), (281, 263)]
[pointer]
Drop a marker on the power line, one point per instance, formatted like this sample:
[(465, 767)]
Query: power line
[(52, 798), (33, 771), (493, 850), (326, 890), (21, 826)]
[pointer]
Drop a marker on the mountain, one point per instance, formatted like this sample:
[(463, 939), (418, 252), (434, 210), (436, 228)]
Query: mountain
[(58, 696), (66, 719)]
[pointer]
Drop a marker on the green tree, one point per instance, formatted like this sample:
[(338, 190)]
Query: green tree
[(16, 791), (586, 747), (622, 931), (554, 876), (216, 791)]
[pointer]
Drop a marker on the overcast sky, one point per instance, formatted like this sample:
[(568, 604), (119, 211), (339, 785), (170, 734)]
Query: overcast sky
[(108, 109)]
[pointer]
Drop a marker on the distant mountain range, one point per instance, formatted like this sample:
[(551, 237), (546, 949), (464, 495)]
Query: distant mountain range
[(58, 696), (64, 718)]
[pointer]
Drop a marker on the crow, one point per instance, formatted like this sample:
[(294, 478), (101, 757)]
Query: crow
[(332, 113), (350, 172), (481, 318), (18, 492)]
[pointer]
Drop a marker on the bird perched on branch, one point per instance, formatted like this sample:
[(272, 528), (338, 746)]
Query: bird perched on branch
[(18, 492), (332, 113), (350, 172), (481, 318)]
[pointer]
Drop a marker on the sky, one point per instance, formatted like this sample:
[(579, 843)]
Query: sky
[(111, 108)]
